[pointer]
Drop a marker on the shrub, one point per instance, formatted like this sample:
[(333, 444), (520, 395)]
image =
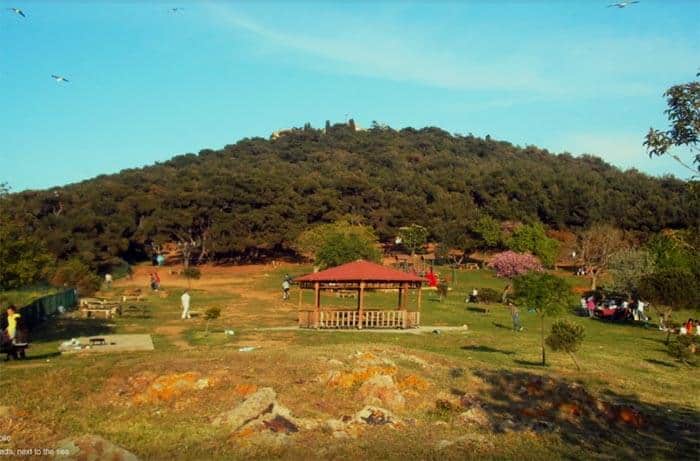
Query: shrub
[(210, 314), (489, 295), (677, 288), (566, 337), (192, 273), (76, 274), (683, 348)]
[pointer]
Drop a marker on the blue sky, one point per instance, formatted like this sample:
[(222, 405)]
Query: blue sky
[(147, 84)]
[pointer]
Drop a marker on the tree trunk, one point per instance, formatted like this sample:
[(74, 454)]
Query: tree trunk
[(594, 281), (544, 357), (573, 357)]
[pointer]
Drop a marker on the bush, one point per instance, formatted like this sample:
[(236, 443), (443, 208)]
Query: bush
[(344, 248), (489, 295), (76, 274), (675, 287), (683, 348), (210, 314), (192, 273), (566, 337)]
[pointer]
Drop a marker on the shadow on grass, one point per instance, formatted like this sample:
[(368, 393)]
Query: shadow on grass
[(660, 362), (529, 363), (487, 349), (478, 310), (617, 425), (500, 325), (64, 328)]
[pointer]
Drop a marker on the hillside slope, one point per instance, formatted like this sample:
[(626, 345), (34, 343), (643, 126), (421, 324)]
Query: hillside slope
[(257, 195)]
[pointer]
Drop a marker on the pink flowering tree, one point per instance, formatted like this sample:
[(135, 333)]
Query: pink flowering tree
[(510, 264)]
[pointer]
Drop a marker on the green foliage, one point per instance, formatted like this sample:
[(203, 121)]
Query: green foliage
[(531, 238), (23, 257), (547, 294), (676, 288), (627, 268), (488, 231), (413, 237), (76, 274), (489, 295), (683, 348), (684, 131), (340, 248), (212, 313), (251, 200), (192, 273), (566, 336), (312, 240)]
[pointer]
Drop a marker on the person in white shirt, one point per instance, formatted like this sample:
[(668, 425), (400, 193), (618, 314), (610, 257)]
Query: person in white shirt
[(185, 299)]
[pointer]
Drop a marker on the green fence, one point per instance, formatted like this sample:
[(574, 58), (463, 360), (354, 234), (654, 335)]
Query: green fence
[(43, 308)]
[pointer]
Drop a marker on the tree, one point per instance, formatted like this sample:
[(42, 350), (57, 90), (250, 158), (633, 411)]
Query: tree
[(489, 231), (567, 337), (339, 248), (510, 264), (546, 294), (596, 247), (310, 242), (533, 239), (684, 117), (23, 257), (74, 273), (191, 273), (627, 267), (413, 237), (669, 289)]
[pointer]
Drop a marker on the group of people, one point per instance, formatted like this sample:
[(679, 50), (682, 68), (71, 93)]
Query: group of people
[(636, 307), (691, 327)]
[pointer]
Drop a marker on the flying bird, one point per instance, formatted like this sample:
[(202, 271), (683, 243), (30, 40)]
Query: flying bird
[(17, 11), (59, 79), (176, 10), (623, 4)]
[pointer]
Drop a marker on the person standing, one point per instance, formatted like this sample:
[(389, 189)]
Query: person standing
[(185, 301), (515, 315), (108, 280), (12, 321), (286, 285)]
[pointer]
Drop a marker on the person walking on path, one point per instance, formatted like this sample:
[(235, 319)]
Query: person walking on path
[(286, 285), (185, 300), (515, 315)]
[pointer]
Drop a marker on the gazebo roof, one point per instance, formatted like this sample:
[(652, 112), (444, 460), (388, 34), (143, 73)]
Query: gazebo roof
[(360, 271)]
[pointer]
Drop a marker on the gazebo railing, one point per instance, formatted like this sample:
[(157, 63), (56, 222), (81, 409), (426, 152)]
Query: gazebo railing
[(340, 319)]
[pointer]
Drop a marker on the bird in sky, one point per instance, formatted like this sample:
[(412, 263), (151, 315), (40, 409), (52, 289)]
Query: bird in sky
[(176, 10), (623, 4), (59, 79), (17, 11)]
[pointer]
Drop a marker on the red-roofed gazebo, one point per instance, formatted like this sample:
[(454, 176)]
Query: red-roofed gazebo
[(359, 276)]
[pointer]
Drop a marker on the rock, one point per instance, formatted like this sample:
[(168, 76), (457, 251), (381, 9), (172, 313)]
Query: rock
[(333, 425), (414, 359), (201, 384), (475, 416), (442, 444), (381, 390), (280, 424), (375, 416), (340, 435), (261, 402), (335, 363), (91, 448)]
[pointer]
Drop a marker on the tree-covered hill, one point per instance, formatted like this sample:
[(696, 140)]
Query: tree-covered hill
[(257, 195)]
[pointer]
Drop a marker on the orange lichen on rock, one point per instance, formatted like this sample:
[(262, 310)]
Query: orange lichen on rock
[(245, 389), (167, 387), (413, 382), (348, 379)]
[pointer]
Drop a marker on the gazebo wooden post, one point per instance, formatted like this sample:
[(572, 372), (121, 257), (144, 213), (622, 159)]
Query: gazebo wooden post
[(403, 290), (317, 303), (360, 304), (420, 293), (400, 303)]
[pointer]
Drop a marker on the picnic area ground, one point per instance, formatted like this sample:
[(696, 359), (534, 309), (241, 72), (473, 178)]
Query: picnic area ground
[(453, 393)]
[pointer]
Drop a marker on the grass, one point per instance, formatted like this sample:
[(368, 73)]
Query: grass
[(74, 394), (24, 296)]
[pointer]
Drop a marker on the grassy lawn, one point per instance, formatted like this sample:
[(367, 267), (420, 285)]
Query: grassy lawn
[(67, 395)]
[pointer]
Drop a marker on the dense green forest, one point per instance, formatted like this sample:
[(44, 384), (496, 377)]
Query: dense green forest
[(253, 198)]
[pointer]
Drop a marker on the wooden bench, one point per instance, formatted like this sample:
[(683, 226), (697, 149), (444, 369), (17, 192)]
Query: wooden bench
[(135, 310), (346, 294), (98, 342), (471, 266)]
